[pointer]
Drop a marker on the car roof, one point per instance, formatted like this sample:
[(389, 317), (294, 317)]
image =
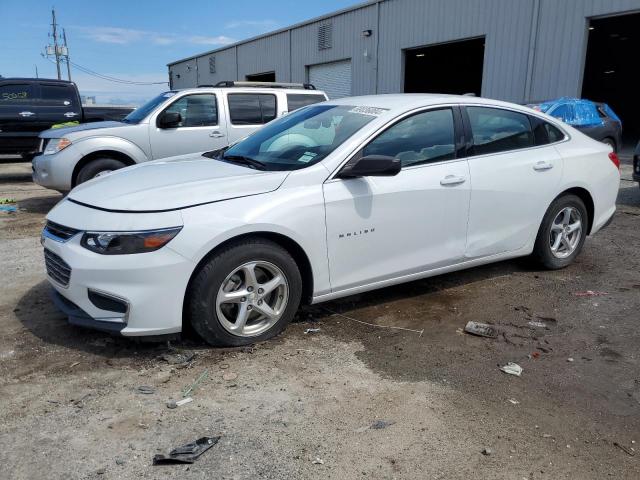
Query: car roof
[(250, 90), (34, 80), (408, 101)]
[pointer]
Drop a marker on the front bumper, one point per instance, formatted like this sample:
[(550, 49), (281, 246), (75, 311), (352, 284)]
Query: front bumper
[(55, 171), (151, 285)]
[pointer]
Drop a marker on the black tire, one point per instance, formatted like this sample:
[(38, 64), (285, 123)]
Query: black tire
[(96, 167), (542, 250), (611, 142), (201, 297)]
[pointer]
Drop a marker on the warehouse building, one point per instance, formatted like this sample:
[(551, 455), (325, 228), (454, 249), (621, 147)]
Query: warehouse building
[(514, 50)]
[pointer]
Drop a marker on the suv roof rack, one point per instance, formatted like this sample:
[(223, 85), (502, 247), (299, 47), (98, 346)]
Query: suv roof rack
[(235, 83)]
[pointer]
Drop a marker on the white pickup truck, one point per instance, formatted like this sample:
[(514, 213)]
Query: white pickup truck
[(174, 123)]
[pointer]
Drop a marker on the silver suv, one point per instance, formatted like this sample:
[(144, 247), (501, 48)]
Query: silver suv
[(176, 122)]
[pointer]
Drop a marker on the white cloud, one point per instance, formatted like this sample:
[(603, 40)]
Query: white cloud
[(125, 36), (204, 40), (265, 24)]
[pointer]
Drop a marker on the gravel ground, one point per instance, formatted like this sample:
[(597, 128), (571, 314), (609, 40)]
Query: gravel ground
[(351, 400)]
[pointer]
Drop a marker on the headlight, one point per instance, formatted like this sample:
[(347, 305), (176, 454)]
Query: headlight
[(121, 243), (55, 145)]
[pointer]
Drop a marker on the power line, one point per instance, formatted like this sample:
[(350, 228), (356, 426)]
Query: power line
[(108, 77)]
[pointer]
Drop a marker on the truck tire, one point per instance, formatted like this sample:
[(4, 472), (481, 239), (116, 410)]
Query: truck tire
[(98, 167)]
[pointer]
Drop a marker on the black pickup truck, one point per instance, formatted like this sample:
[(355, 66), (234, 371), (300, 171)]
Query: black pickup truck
[(30, 105)]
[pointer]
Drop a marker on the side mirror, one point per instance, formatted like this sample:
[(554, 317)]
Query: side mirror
[(371, 166), (169, 120)]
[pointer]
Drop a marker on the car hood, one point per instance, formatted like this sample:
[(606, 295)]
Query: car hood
[(172, 184), (83, 127)]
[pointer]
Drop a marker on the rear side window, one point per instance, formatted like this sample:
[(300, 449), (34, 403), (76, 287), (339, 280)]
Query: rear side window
[(16, 93), (422, 138), (543, 132), (496, 130), (57, 95), (251, 108), (196, 110), (299, 100)]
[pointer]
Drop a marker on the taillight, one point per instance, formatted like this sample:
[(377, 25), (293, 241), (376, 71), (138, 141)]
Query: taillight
[(614, 158)]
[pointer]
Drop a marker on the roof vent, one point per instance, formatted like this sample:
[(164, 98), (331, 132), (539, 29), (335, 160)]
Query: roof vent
[(212, 64), (325, 36)]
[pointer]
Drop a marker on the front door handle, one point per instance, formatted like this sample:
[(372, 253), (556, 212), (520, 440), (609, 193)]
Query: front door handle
[(542, 166), (70, 114), (451, 180), (26, 114), (216, 134)]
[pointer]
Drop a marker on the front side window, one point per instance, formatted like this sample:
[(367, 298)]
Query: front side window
[(251, 108), (299, 100), (58, 95), (198, 110), (16, 93), (496, 130), (422, 138), (299, 139)]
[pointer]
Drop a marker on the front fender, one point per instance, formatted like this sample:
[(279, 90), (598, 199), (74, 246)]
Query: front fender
[(89, 145)]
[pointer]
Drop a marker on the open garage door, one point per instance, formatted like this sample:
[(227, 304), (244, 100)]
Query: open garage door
[(610, 73), (428, 69), (334, 78), (262, 77)]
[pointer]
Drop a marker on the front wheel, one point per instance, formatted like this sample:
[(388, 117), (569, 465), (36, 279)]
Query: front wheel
[(562, 232), (246, 293), (98, 167)]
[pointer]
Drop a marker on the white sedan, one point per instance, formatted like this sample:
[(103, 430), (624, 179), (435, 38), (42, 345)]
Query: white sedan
[(335, 199)]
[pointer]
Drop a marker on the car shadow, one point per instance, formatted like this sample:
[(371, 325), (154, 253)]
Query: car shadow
[(40, 205), (36, 312)]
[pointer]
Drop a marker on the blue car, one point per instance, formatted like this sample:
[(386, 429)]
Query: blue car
[(594, 119)]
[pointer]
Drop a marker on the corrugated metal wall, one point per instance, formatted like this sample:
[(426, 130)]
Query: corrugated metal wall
[(534, 49)]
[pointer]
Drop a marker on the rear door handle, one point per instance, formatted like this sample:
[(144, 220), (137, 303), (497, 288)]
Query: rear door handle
[(26, 114), (70, 114), (216, 134), (451, 180), (542, 166)]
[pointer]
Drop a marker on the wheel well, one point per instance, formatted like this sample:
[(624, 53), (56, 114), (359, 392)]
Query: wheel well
[(585, 196), (291, 246), (613, 140), (99, 154)]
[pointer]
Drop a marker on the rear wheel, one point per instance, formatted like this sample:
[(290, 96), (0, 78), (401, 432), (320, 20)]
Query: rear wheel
[(562, 232), (246, 293), (96, 168)]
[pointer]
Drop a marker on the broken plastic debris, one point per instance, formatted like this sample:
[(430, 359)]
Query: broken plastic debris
[(514, 401), (190, 389), (318, 461), (145, 389), (590, 293), (512, 369), (480, 329), (311, 330), (188, 453), (537, 324), (179, 403)]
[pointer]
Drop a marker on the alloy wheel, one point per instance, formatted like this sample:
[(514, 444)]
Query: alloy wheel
[(566, 232)]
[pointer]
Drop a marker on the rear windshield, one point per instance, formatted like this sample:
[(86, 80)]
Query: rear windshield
[(142, 112)]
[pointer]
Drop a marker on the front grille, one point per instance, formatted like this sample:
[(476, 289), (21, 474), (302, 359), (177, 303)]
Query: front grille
[(60, 232), (57, 268)]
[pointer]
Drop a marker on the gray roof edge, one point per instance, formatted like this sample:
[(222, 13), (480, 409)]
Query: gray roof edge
[(353, 8)]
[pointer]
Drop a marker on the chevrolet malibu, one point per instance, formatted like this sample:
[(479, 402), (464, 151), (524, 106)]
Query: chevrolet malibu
[(337, 198)]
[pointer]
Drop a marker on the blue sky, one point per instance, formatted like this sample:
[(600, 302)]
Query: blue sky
[(135, 39)]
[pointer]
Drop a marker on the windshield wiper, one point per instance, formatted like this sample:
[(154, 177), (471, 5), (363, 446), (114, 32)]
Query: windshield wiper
[(250, 162)]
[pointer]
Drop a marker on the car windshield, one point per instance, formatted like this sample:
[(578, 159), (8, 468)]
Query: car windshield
[(141, 113), (301, 138)]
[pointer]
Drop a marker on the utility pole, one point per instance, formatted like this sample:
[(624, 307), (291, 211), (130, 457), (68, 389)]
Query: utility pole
[(55, 41), (66, 48), (36, 71)]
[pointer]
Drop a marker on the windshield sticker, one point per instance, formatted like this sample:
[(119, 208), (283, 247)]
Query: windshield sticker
[(307, 157), (373, 111)]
